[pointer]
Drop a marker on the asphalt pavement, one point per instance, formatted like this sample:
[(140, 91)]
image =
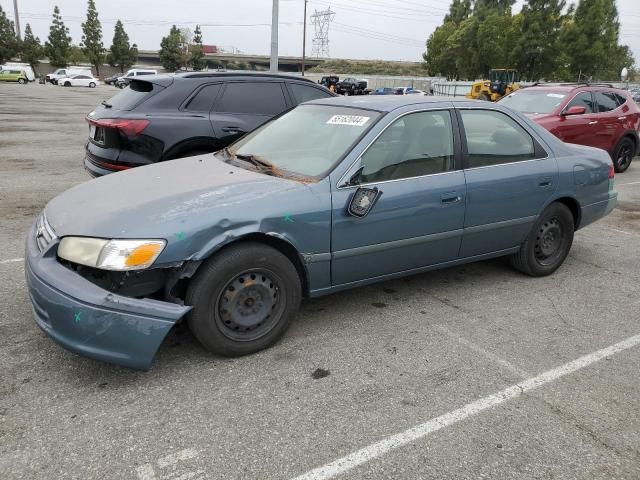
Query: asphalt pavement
[(470, 372)]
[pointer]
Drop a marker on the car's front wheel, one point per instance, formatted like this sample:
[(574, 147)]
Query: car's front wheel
[(623, 154), (92, 85), (67, 84), (548, 242), (243, 299)]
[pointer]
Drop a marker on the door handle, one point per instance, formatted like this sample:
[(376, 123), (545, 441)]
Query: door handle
[(232, 130), (622, 118), (449, 198), (544, 182), (593, 123)]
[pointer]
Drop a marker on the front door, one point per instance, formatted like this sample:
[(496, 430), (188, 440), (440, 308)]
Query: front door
[(578, 129), (509, 180), (417, 218)]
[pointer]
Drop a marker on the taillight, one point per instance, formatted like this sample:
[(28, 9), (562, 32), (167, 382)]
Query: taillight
[(612, 172), (129, 127)]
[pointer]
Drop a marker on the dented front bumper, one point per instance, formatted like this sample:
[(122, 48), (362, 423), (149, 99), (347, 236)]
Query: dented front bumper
[(91, 321)]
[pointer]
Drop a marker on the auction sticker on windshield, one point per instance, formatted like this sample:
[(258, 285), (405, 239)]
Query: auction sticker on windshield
[(355, 120)]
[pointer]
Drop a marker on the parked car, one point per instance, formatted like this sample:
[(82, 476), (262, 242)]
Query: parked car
[(66, 72), (21, 67), (11, 75), (124, 80), (79, 81), (112, 79), (594, 115), (351, 86), (172, 116), (386, 91), (330, 82), (334, 194)]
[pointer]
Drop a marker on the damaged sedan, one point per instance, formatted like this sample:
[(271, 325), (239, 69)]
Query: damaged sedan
[(331, 195)]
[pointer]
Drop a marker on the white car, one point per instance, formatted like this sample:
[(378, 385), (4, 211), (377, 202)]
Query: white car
[(66, 72), (82, 80)]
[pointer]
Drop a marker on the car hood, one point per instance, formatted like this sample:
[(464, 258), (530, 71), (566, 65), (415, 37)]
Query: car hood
[(166, 199), (537, 117)]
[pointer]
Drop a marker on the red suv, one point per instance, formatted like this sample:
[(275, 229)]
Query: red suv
[(595, 115)]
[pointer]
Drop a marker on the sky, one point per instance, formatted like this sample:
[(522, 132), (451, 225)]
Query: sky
[(361, 29)]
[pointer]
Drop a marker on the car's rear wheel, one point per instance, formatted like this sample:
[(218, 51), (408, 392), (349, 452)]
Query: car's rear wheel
[(548, 242), (623, 154), (22, 81), (243, 299), (92, 85)]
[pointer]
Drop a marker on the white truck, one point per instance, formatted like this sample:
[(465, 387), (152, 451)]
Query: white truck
[(66, 72)]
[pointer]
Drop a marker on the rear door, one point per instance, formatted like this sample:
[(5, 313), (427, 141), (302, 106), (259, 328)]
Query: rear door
[(243, 106), (509, 179), (610, 128)]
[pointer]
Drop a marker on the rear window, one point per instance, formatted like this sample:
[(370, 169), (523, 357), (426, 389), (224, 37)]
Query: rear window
[(132, 96)]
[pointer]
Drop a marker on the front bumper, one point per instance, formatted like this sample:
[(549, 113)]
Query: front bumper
[(91, 321)]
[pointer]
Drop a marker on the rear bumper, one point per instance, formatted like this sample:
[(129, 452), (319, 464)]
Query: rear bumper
[(91, 321), (595, 211), (97, 167)]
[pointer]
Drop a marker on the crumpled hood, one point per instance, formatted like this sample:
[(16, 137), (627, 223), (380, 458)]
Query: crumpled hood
[(156, 201)]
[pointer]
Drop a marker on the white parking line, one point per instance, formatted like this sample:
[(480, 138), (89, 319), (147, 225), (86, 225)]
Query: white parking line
[(620, 231), (11, 260), (518, 372), (382, 447), (623, 184)]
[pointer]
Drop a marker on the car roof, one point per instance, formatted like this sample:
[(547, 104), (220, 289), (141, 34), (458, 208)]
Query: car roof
[(387, 103), (244, 74)]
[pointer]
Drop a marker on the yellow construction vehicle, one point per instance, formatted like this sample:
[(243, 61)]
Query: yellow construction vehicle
[(502, 81)]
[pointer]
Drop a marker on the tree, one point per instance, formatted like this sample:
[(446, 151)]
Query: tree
[(535, 52), (58, 45), (196, 56), (9, 44), (92, 38), (590, 41), (31, 51), (121, 54), (171, 52), (76, 55)]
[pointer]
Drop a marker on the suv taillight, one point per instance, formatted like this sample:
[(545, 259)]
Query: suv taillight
[(612, 172), (129, 127)]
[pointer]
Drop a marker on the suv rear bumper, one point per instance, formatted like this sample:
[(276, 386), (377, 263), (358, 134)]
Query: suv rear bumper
[(91, 321)]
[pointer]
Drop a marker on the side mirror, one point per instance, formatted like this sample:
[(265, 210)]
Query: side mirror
[(363, 201), (575, 110)]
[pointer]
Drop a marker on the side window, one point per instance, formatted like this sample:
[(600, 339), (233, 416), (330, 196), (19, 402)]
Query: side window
[(251, 97), (304, 93), (414, 145), (606, 101), (583, 99), (620, 99), (203, 100), (494, 138)]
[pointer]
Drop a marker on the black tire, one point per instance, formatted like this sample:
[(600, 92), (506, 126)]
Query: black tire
[(623, 154), (92, 85), (22, 81), (67, 84), (243, 299), (548, 242)]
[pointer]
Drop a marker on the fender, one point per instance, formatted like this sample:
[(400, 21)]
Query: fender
[(196, 143)]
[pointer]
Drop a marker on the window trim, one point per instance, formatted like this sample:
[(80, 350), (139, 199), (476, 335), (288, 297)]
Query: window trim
[(194, 93), (457, 150), (224, 89), (538, 150)]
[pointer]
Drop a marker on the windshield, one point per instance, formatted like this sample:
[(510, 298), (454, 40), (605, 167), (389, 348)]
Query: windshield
[(531, 101), (308, 140)]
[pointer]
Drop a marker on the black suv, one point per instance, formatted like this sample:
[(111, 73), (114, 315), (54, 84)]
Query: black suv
[(163, 117)]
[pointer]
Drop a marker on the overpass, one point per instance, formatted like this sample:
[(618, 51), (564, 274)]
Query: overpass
[(226, 60)]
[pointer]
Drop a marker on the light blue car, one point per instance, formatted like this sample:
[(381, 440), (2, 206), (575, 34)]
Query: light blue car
[(334, 194)]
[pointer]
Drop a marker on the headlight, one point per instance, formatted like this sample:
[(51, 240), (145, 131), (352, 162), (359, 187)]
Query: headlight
[(110, 254)]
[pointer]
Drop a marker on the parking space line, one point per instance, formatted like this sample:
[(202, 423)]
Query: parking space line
[(619, 231), (420, 431), (11, 260), (624, 184), (518, 372)]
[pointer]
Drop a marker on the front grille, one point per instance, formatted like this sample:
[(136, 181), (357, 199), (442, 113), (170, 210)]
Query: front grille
[(44, 233)]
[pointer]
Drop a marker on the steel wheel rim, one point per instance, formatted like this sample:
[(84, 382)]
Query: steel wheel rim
[(624, 155), (250, 305), (549, 241)]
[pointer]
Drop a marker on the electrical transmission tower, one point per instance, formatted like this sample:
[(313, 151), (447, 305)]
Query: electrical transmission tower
[(321, 21)]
